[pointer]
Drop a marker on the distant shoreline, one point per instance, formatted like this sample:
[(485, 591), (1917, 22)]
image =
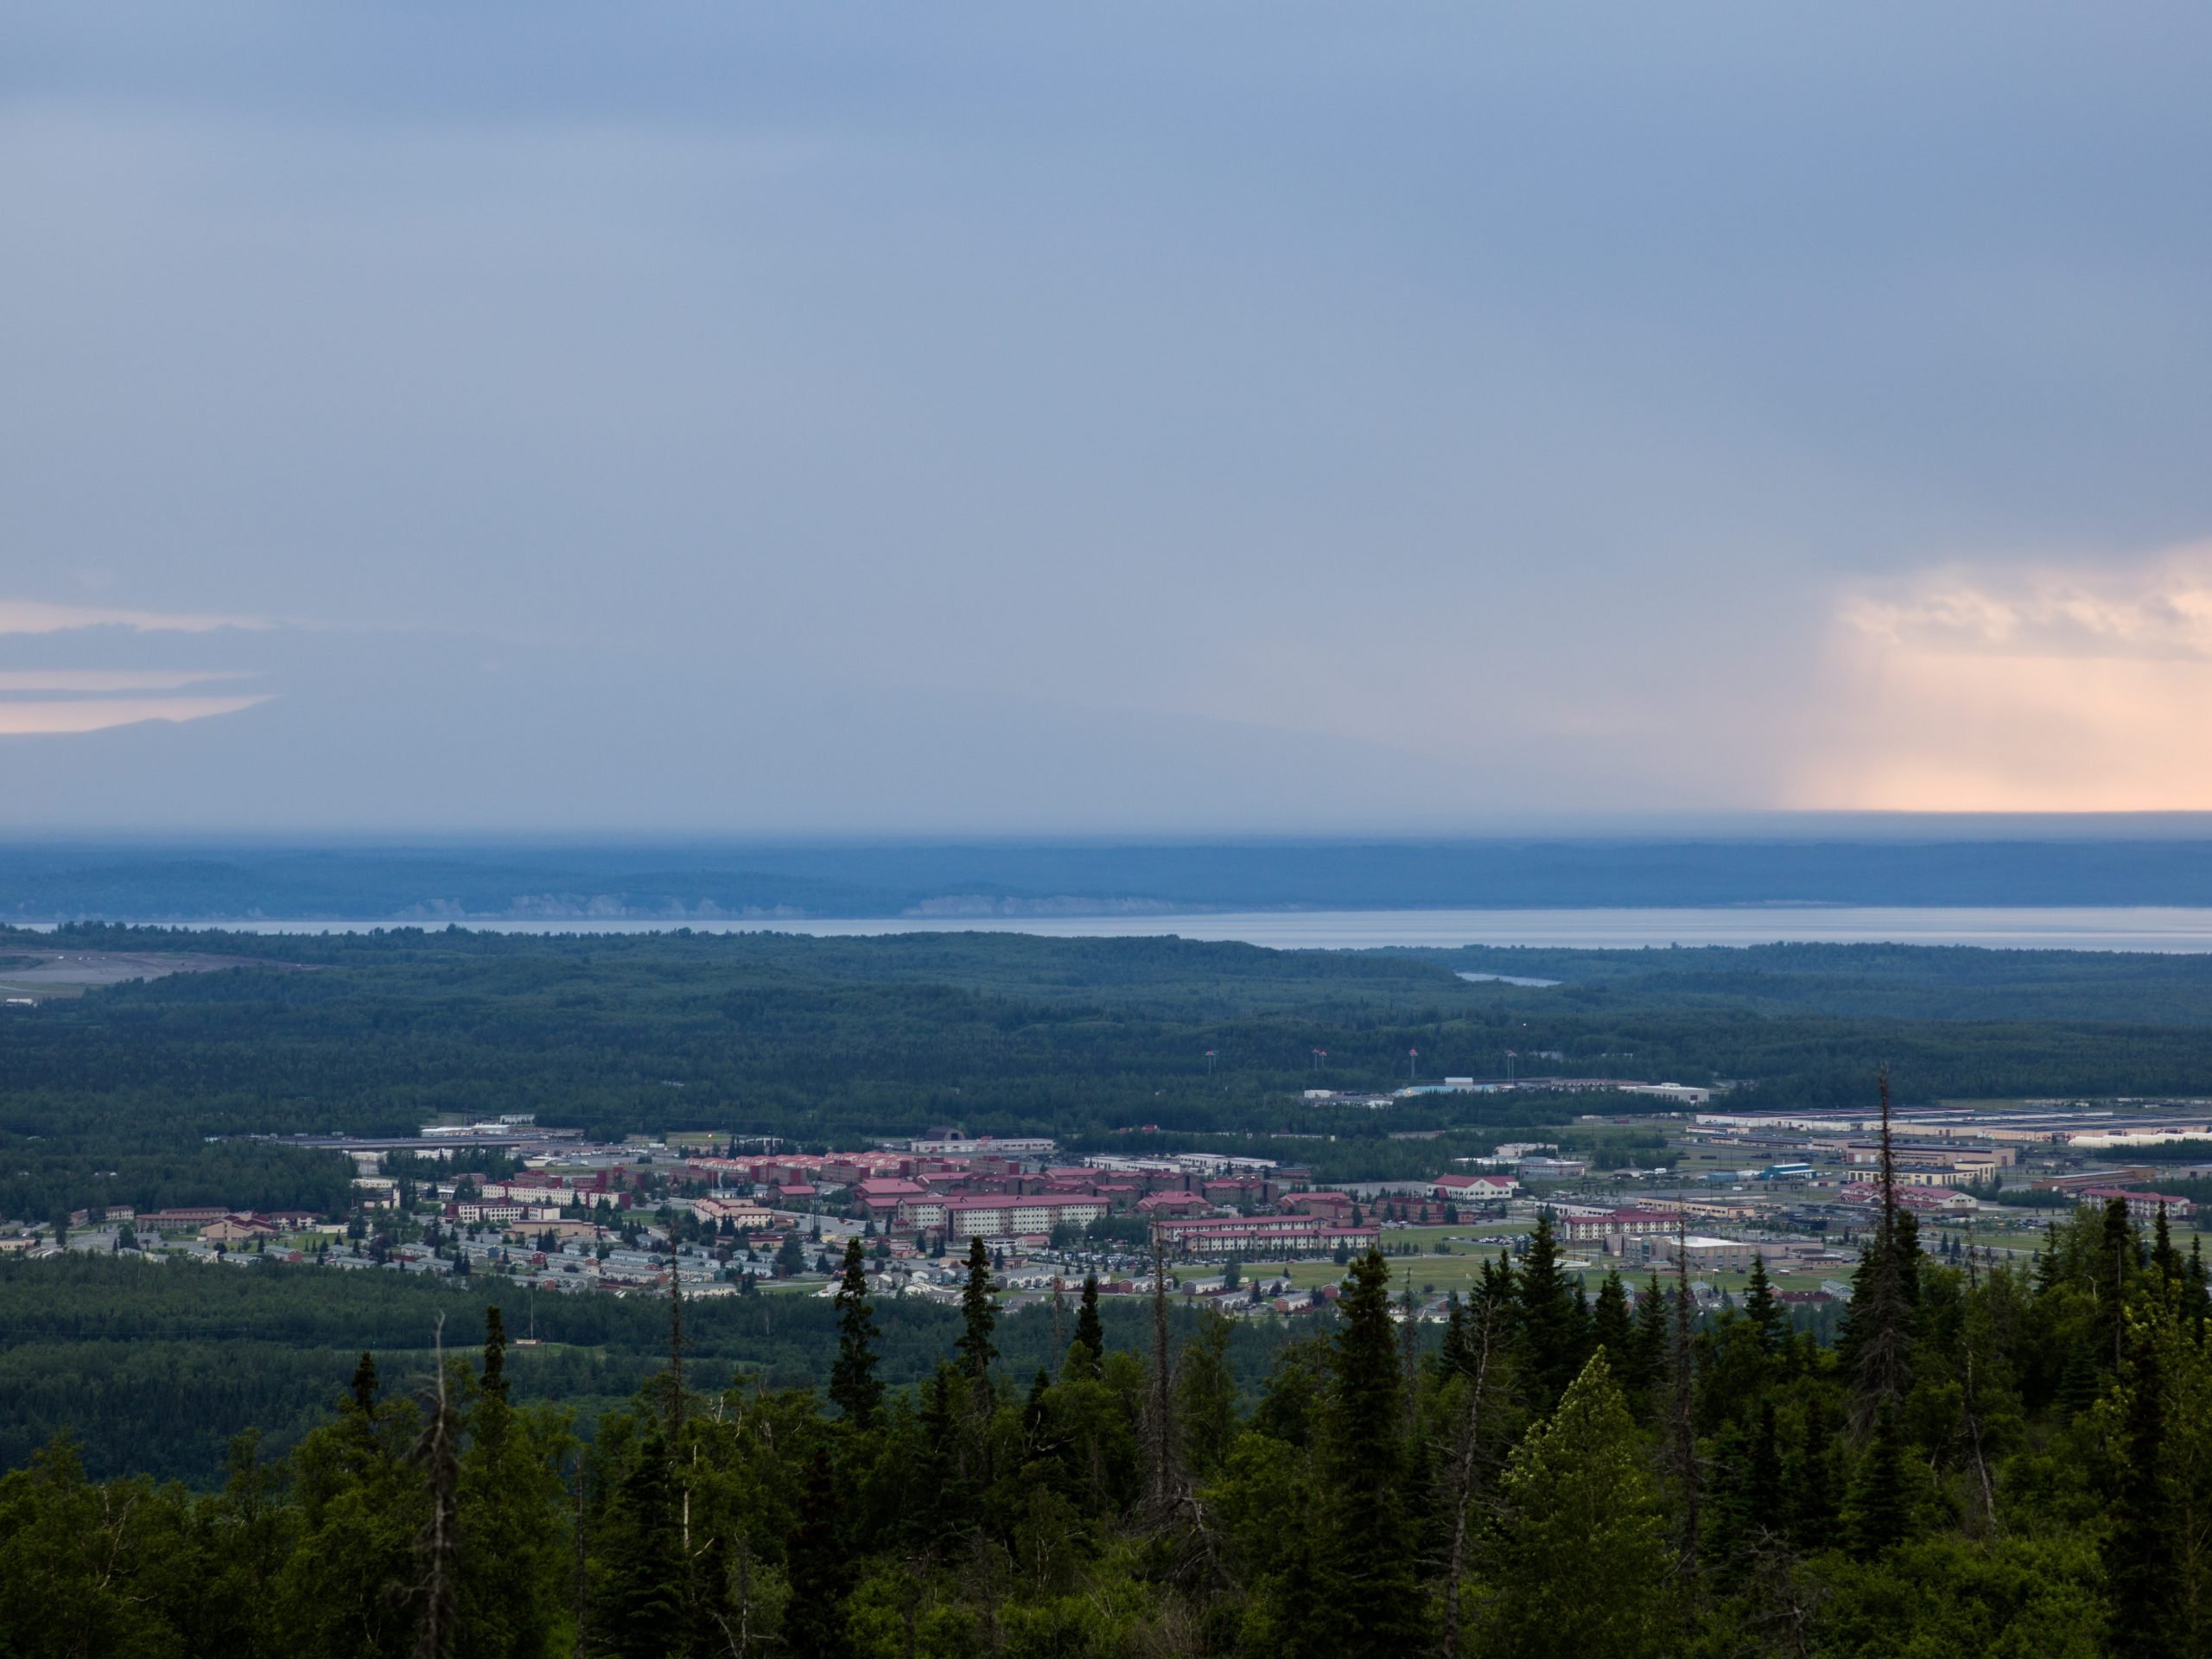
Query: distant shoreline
[(2170, 929)]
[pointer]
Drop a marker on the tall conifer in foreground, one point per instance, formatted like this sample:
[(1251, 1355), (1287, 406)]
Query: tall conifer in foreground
[(1549, 1320), (854, 1388), (1879, 1334), (1374, 1599), (641, 1603), (815, 1622), (1613, 1327), (1583, 1565), (1876, 1514), (2141, 1553), (1766, 1313), (1089, 1346), (979, 1316)]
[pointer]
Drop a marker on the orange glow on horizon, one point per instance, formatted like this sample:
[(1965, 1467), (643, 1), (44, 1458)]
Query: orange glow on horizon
[(2049, 694)]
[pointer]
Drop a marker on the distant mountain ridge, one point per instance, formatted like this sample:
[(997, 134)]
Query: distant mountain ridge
[(431, 885)]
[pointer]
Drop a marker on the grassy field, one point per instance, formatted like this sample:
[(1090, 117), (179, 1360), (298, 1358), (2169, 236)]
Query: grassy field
[(45, 991)]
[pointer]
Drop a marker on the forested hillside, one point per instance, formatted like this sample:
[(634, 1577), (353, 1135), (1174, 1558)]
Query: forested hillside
[(1991, 1462)]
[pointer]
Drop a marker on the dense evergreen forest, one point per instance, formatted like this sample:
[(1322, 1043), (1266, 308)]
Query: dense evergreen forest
[(1992, 1461), (113, 1098), (156, 1366)]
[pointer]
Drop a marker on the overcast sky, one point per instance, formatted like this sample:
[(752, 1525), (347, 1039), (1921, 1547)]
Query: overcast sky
[(1200, 417)]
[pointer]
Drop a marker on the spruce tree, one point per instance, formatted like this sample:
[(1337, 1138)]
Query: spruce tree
[(641, 1603), (1876, 1346), (1763, 1311), (2119, 1264), (1374, 1597), (2142, 1560), (363, 1388), (2078, 1384), (1811, 1484), (493, 1383), (513, 1521), (1582, 1564), (1613, 1327), (1454, 1357), (1876, 1513), (352, 1586), (1489, 1302), (1089, 1347), (979, 1316), (1763, 1514), (1205, 1397), (1682, 1413), (946, 1495), (2165, 1260), (854, 1388), (815, 1622), (2197, 1300), (1647, 1363), (1910, 1257), (2120, 1242), (1545, 1314)]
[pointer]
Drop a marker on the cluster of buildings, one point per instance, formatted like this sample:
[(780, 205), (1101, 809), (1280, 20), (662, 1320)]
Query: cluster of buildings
[(914, 1201), (1203, 1204), (1950, 1162), (1793, 1187)]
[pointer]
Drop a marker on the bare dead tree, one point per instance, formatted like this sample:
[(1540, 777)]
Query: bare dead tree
[(739, 1636), (1466, 1475), (1163, 1428), (582, 1587), (437, 1543), (984, 1575), (1970, 1400), (1785, 1602), (674, 1354), (1409, 1348), (1681, 1437)]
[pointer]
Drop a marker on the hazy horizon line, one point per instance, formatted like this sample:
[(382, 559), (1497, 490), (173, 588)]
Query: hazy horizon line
[(1594, 827)]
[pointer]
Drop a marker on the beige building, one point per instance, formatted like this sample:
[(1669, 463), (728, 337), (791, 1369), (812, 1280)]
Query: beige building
[(236, 1229)]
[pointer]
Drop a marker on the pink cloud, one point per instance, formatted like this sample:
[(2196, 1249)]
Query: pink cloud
[(69, 716), (2052, 690), (107, 680), (36, 616)]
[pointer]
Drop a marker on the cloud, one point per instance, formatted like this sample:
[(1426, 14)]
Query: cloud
[(2161, 610), (74, 715), (1476, 413), (2049, 690), (35, 616), (101, 680), (56, 702)]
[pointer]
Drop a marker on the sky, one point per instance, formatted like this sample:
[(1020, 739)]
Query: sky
[(758, 418)]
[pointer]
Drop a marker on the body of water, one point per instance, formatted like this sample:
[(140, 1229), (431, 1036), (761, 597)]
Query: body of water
[(2115, 928)]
